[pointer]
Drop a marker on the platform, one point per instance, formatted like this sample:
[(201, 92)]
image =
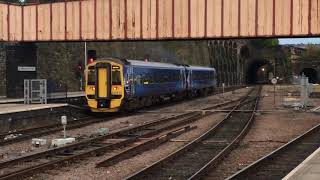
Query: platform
[(15, 108), (309, 169), (59, 95)]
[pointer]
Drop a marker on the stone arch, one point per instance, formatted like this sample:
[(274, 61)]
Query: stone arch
[(257, 71)]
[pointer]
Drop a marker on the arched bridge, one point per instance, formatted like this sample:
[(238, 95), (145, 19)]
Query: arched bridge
[(104, 20)]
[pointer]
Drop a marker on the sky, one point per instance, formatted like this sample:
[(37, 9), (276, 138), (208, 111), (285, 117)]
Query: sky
[(300, 41)]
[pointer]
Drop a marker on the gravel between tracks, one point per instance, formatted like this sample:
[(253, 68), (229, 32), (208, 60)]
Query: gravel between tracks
[(269, 131), (24, 147), (86, 169)]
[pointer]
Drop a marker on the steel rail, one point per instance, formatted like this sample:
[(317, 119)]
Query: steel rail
[(97, 147), (213, 162), (44, 130), (158, 167), (29, 133), (152, 143), (277, 164)]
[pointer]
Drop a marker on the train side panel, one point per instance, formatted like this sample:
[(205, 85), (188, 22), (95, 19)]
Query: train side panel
[(149, 81), (201, 78)]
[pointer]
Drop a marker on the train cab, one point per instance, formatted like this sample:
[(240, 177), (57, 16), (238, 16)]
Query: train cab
[(104, 85)]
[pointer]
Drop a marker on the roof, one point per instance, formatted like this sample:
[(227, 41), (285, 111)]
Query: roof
[(154, 64), (201, 68)]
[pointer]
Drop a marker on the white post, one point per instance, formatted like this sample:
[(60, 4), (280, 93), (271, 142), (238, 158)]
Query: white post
[(64, 123)]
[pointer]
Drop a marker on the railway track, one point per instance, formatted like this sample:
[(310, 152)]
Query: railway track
[(29, 164), (29, 133), (24, 134), (282, 161), (193, 160)]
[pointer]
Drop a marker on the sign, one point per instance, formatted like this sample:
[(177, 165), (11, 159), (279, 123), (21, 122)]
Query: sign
[(26, 68), (274, 81)]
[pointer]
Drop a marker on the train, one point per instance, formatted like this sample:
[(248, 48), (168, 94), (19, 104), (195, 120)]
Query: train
[(116, 84)]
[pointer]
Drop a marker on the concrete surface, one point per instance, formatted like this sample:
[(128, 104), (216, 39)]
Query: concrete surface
[(309, 169), (14, 108), (59, 95)]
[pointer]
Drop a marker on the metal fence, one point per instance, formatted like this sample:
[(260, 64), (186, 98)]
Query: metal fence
[(35, 91)]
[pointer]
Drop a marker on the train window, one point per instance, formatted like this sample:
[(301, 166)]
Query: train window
[(91, 77), (116, 78)]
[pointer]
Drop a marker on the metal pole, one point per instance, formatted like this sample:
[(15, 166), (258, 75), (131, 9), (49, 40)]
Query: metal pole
[(64, 132), (274, 68), (274, 86), (274, 95), (85, 54)]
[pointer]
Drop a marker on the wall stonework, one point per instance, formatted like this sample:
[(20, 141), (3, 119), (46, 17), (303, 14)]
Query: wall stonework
[(2, 70), (226, 58)]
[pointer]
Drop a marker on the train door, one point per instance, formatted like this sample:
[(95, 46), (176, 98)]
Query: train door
[(103, 81), (130, 89), (188, 79), (183, 79)]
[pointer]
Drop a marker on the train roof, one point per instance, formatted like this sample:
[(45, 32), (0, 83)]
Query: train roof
[(154, 64), (158, 64), (201, 68)]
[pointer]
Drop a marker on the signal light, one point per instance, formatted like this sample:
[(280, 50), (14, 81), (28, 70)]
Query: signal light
[(90, 60), (92, 56), (80, 67)]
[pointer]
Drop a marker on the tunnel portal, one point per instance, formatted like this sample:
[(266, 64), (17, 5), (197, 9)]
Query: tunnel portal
[(258, 72)]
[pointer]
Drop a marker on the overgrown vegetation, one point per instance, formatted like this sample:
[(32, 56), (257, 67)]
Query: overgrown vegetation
[(270, 50), (312, 53)]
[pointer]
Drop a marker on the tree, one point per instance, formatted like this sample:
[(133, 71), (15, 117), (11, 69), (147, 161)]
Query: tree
[(312, 53)]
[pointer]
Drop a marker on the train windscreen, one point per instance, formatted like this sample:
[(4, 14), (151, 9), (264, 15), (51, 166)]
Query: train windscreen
[(91, 77), (116, 78)]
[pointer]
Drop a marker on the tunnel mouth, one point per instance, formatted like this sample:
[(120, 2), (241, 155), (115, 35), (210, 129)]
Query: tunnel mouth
[(312, 74), (258, 72)]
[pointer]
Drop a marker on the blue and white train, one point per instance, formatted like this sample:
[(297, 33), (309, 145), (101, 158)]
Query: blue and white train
[(114, 84)]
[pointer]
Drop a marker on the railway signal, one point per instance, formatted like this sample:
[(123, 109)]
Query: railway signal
[(92, 56), (80, 67)]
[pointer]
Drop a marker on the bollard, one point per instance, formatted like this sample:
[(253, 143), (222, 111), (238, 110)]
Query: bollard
[(64, 123)]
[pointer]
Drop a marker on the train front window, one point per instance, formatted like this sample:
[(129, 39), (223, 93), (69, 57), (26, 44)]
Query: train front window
[(91, 77), (116, 78)]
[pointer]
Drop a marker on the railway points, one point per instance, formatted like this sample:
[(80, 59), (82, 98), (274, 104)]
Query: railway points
[(162, 120), (150, 89), (192, 160), (96, 145), (196, 114), (110, 160)]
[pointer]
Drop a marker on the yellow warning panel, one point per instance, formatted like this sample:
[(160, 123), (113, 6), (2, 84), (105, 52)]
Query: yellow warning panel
[(103, 82)]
